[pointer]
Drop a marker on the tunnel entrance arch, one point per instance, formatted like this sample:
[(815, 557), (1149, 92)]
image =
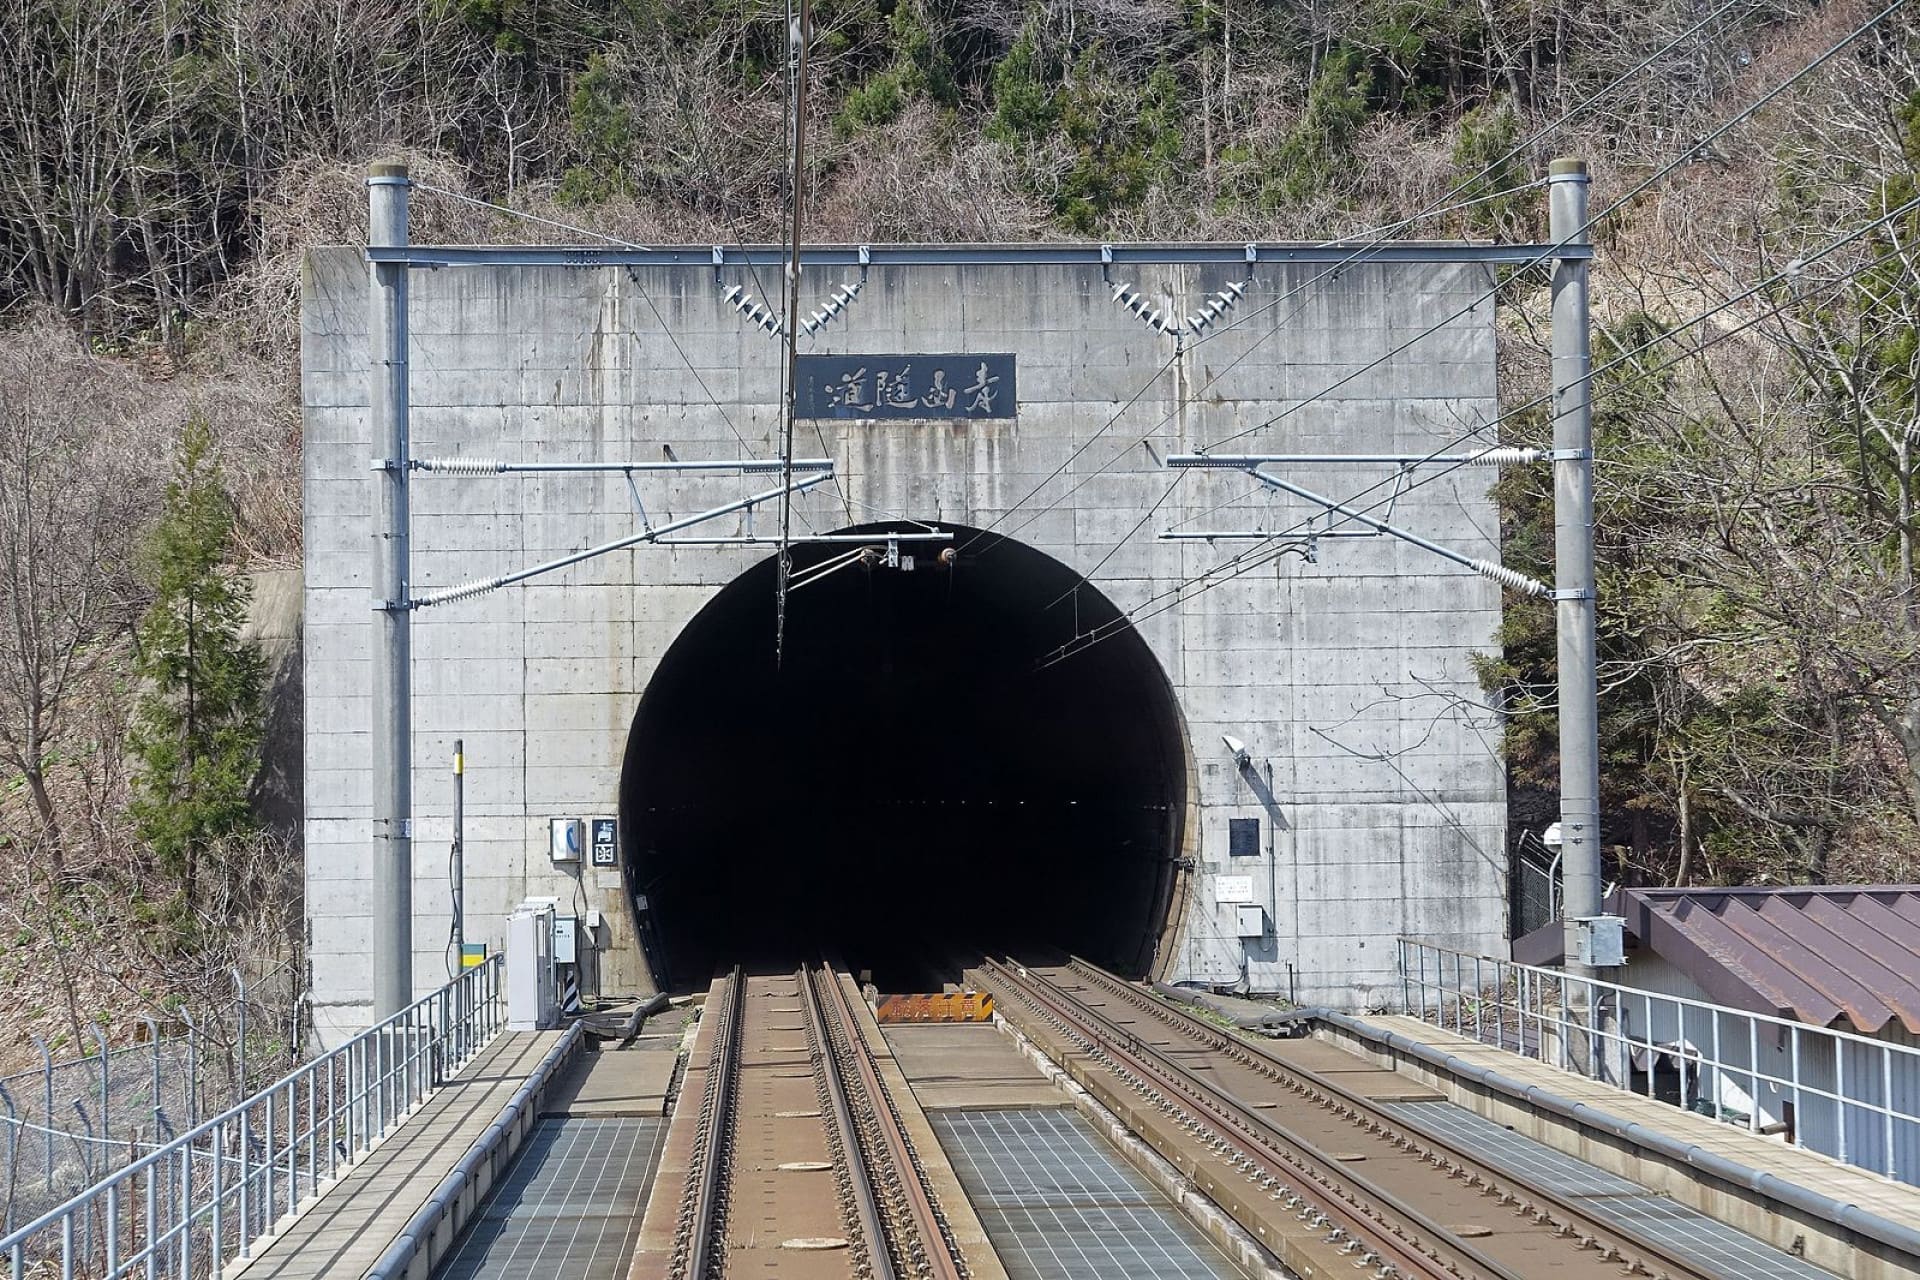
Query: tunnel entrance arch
[(909, 784)]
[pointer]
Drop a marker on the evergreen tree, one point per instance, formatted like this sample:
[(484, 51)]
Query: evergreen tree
[(198, 727)]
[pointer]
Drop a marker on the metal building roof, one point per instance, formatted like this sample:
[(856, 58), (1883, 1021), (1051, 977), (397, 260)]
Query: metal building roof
[(1817, 953)]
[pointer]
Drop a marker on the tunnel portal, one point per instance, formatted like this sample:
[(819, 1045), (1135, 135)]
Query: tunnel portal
[(909, 784)]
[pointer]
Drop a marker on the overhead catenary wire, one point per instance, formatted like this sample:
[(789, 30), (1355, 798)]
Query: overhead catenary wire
[(798, 34), (1254, 556), (1376, 237), (1580, 234), (524, 216), (632, 274), (1265, 551)]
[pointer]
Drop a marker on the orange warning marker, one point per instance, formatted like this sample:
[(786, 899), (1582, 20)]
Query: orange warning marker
[(956, 1006)]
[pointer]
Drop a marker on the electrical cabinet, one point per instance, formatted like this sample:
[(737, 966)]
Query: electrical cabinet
[(566, 940), (532, 985), (1251, 921), (1599, 941)]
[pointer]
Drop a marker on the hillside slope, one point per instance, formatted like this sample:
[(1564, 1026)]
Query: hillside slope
[(1761, 689)]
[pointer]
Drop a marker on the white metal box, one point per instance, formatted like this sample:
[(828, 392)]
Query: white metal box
[(532, 994), (1250, 921), (566, 940)]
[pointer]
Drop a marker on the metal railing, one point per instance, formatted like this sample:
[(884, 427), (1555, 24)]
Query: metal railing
[(1844, 1095), (189, 1207), (70, 1122)]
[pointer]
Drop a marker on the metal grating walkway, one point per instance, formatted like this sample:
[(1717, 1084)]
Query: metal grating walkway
[(1704, 1242), (1059, 1205), (569, 1208)]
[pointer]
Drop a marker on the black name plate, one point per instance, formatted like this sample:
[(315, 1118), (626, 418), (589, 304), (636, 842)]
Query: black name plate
[(909, 386)]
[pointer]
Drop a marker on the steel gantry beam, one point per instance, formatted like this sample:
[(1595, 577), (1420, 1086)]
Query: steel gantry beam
[(1333, 253)]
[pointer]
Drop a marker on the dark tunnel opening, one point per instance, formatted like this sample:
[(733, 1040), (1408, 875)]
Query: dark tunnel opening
[(910, 785)]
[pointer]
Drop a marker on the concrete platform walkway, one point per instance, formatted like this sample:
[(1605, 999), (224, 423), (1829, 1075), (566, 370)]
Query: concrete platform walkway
[(1760, 1213), (1894, 1200), (354, 1221), (615, 1084), (967, 1065)]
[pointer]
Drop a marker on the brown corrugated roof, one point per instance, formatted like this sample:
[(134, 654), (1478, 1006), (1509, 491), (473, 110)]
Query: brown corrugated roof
[(1818, 953)]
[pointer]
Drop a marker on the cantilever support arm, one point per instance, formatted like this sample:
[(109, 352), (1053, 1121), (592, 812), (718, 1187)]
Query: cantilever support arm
[(1485, 568), (482, 585), (459, 466), (1499, 573)]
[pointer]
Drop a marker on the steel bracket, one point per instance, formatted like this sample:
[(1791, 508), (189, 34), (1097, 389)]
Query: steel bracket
[(1571, 593), (1566, 455), (383, 464), (392, 606)]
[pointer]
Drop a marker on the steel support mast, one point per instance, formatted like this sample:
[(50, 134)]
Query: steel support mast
[(392, 736), (1573, 556)]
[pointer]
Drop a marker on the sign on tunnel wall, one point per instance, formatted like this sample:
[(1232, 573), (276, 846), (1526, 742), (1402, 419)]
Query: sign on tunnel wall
[(919, 385)]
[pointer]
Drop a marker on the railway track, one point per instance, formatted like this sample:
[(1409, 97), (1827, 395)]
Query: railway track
[(1333, 1183), (801, 1166)]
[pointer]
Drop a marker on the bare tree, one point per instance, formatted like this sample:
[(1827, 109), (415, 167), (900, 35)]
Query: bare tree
[(74, 495)]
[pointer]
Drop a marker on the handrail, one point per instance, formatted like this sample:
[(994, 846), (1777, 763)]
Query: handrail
[(214, 1190), (489, 1146), (1839, 1093)]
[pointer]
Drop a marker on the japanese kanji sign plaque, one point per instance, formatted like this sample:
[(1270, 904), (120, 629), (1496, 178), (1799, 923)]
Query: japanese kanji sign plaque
[(907, 386)]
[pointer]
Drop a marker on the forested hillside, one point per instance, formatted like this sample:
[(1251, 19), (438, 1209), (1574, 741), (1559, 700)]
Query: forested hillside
[(166, 163)]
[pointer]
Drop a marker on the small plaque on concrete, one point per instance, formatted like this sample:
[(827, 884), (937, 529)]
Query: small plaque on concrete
[(919, 385), (1232, 889)]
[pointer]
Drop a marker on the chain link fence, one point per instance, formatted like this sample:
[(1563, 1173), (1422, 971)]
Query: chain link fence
[(186, 1208), (74, 1119)]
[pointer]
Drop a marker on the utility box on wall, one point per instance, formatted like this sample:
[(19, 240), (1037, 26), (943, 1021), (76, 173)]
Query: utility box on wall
[(1250, 921), (1599, 941), (566, 838), (532, 990)]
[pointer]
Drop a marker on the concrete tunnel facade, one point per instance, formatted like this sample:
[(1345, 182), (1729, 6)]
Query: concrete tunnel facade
[(951, 787)]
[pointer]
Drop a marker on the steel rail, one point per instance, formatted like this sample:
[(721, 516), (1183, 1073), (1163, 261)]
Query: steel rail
[(1364, 1111), (936, 1244), (866, 1202), (716, 1113), (1284, 1157)]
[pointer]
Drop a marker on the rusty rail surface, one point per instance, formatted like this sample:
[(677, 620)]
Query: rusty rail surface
[(1399, 1199), (835, 1174)]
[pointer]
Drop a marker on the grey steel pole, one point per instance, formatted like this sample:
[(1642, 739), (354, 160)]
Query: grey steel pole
[(106, 1080), (153, 1038), (392, 757), (13, 1159), (1573, 554), (798, 36), (459, 856), (46, 1059), (240, 1034)]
